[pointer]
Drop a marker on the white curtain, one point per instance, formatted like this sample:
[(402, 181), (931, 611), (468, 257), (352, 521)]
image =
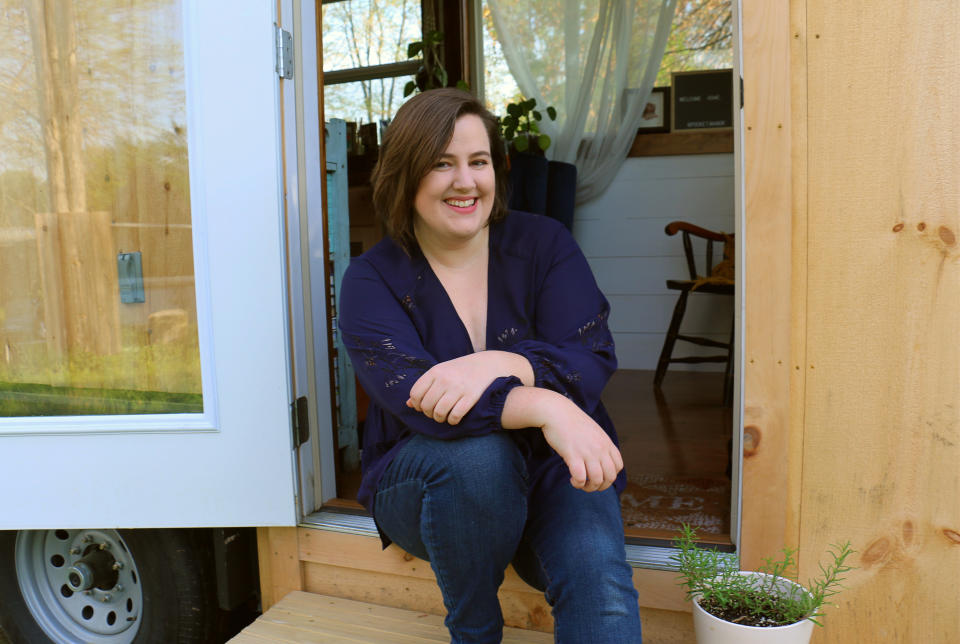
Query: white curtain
[(579, 56)]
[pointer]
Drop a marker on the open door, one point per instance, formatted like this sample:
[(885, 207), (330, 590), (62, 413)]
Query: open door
[(145, 378)]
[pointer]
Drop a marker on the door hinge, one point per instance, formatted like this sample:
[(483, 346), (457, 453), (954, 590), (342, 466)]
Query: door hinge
[(284, 47), (301, 422), (741, 92)]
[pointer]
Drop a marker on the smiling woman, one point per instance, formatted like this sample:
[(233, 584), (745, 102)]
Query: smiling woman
[(482, 340)]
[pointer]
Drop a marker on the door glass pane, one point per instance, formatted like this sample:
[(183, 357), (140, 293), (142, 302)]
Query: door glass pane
[(97, 306)]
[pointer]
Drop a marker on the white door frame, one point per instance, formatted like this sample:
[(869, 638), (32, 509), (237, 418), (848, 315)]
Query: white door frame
[(305, 179)]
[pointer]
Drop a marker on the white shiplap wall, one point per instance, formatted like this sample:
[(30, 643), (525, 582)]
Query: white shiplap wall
[(621, 233)]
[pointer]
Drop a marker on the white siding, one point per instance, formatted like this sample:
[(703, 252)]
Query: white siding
[(621, 233)]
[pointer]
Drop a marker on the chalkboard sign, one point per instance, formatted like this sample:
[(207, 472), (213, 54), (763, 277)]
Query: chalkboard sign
[(703, 100)]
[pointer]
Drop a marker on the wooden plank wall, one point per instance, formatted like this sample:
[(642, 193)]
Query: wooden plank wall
[(768, 361), (871, 448), (881, 440), (353, 567)]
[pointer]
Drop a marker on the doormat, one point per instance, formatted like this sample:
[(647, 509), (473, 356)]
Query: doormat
[(665, 503)]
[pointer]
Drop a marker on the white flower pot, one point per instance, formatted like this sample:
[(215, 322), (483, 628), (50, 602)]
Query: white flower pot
[(713, 630)]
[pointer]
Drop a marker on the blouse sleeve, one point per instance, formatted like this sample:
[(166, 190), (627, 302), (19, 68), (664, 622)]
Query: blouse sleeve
[(573, 353), (388, 357)]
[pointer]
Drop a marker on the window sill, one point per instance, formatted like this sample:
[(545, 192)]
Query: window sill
[(675, 143)]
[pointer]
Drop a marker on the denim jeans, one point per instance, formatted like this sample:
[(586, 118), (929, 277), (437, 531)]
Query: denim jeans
[(464, 506)]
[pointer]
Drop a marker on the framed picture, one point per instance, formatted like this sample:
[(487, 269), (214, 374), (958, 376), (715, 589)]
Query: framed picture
[(656, 112), (702, 100)]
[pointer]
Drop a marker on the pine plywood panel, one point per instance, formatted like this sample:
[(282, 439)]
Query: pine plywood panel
[(882, 388), (798, 285), (280, 568), (526, 610), (766, 260), (357, 567), (307, 618)]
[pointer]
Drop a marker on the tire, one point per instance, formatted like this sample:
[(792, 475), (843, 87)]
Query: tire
[(161, 588)]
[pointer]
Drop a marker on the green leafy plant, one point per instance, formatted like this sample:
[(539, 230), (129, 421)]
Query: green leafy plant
[(520, 129), (713, 580), (431, 73)]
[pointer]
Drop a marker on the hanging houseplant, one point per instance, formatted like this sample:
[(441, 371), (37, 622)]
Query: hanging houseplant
[(431, 74), (765, 607)]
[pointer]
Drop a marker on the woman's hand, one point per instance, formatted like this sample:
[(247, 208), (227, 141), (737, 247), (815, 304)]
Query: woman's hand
[(592, 458), (447, 391)]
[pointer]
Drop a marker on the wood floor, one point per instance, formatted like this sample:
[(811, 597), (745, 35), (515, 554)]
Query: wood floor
[(683, 431)]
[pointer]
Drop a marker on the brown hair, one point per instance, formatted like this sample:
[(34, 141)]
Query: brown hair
[(414, 140)]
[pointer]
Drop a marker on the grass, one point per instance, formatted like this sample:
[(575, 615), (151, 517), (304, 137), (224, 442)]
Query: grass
[(27, 399), (139, 379)]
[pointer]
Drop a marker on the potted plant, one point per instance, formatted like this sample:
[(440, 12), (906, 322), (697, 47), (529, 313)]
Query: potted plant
[(520, 129), (742, 607), (536, 184)]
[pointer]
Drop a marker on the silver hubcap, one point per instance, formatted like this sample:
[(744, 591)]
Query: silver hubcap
[(80, 585)]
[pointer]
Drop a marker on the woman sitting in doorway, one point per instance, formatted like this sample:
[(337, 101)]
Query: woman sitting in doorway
[(482, 340)]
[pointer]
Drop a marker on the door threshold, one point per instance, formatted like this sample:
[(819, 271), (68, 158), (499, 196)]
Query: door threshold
[(655, 555)]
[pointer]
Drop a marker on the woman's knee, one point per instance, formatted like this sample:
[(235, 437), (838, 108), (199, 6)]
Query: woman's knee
[(477, 465)]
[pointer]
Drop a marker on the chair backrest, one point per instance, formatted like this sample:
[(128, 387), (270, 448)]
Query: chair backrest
[(724, 269)]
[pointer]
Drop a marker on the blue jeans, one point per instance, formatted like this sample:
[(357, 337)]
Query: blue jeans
[(464, 506)]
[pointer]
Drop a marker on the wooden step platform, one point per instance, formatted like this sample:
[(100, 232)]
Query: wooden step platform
[(307, 617)]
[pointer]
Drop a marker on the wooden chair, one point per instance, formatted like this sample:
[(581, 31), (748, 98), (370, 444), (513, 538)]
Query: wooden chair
[(720, 281)]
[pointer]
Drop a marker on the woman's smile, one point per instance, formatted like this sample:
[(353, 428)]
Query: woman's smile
[(462, 203)]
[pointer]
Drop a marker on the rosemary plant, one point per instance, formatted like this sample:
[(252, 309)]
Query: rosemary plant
[(713, 579)]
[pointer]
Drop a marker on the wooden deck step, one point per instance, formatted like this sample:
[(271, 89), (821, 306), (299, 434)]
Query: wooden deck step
[(307, 617)]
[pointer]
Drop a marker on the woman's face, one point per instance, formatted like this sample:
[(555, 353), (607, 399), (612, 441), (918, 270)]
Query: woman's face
[(454, 199)]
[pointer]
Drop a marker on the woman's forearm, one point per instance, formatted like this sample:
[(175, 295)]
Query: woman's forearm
[(530, 407), (514, 364)]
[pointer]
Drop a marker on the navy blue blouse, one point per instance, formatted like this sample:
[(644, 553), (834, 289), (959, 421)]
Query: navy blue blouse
[(397, 321)]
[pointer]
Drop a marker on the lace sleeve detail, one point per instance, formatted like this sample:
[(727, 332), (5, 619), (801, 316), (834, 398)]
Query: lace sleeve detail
[(391, 365)]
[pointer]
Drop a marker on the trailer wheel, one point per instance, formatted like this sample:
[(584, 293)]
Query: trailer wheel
[(106, 586)]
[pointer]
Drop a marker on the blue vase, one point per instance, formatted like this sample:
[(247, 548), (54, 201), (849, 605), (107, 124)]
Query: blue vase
[(561, 192), (527, 183)]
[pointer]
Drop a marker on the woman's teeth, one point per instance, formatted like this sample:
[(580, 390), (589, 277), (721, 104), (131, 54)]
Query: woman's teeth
[(461, 203)]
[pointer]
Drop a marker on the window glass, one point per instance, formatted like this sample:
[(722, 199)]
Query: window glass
[(361, 33), (701, 38), (499, 87), (97, 305), (370, 101)]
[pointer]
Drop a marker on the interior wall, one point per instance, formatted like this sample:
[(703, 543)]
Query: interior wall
[(621, 233)]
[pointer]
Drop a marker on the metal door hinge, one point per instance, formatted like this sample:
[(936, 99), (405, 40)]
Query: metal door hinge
[(284, 47), (301, 422)]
